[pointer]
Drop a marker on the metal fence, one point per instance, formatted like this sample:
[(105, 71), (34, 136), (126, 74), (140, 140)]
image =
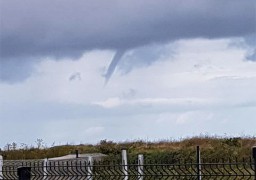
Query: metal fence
[(141, 169)]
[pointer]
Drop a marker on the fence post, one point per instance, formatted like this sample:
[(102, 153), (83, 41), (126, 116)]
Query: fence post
[(90, 168), (24, 173), (254, 159), (198, 163), (125, 164), (1, 166), (140, 166), (45, 168)]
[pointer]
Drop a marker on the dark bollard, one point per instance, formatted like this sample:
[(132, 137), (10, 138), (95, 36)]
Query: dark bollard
[(24, 173), (77, 154), (254, 159), (254, 152)]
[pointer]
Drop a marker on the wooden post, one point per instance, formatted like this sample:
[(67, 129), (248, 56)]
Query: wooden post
[(45, 163), (90, 168), (198, 163), (140, 166), (125, 164), (1, 167)]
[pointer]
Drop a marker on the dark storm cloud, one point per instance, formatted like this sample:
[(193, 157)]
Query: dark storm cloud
[(60, 28)]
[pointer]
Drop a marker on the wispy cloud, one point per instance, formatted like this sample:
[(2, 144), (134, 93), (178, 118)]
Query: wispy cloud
[(116, 102)]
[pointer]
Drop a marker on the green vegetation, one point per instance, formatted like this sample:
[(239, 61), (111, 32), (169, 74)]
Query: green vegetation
[(211, 148)]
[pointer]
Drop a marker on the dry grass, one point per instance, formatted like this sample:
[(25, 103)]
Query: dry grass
[(211, 147)]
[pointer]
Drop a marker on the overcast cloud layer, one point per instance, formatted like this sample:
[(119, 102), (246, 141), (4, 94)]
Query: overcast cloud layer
[(184, 67), (32, 30)]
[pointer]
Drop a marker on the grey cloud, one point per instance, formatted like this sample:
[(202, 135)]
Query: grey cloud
[(63, 28), (252, 56), (16, 70), (144, 56), (251, 41), (75, 76), (131, 93), (139, 57)]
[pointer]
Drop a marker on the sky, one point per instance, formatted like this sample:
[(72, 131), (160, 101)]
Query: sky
[(83, 71)]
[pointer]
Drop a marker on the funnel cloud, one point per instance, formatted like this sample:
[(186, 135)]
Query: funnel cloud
[(117, 57)]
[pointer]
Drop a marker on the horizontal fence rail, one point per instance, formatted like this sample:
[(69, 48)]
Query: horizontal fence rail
[(113, 170)]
